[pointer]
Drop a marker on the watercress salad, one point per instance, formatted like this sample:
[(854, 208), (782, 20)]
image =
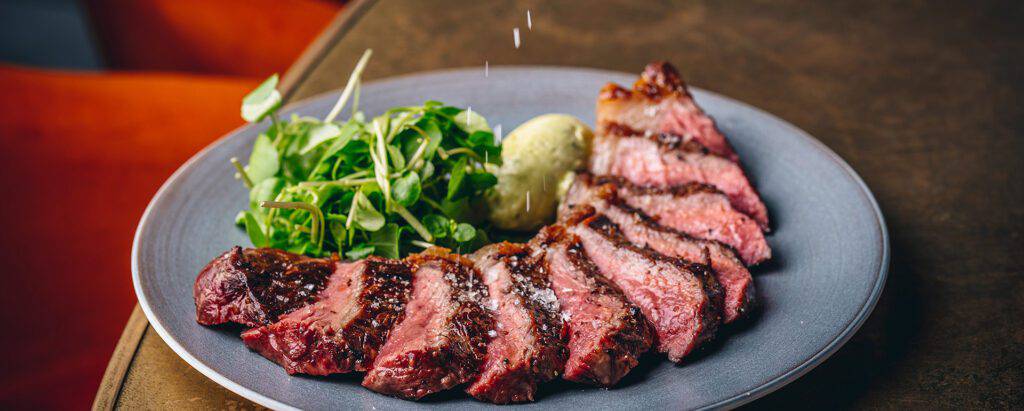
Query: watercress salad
[(391, 185)]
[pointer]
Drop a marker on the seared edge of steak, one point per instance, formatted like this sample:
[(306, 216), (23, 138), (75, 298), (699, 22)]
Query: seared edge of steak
[(528, 346), (343, 331), (661, 102), (607, 334), (442, 340), (695, 209), (666, 160), (643, 231), (681, 300), (255, 286)]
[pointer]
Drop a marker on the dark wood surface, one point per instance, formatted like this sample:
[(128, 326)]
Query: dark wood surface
[(923, 99)]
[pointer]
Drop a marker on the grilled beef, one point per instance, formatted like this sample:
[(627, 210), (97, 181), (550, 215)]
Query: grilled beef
[(256, 286), (695, 209), (682, 300), (665, 160), (343, 330), (607, 333), (442, 341), (641, 230), (660, 103), (528, 346)]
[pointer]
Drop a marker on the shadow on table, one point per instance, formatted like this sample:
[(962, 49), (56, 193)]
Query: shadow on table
[(880, 345)]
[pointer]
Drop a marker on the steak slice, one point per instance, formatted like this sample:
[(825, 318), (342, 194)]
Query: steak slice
[(695, 209), (527, 347), (641, 230), (660, 103), (343, 330), (607, 333), (255, 286), (667, 160), (442, 341), (681, 300)]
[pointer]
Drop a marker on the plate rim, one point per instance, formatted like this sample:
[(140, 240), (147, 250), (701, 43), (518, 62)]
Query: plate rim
[(768, 387)]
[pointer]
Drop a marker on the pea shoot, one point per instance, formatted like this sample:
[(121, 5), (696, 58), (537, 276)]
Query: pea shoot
[(410, 178)]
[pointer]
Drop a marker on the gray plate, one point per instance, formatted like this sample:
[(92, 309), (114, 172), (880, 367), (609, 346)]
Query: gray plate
[(830, 245)]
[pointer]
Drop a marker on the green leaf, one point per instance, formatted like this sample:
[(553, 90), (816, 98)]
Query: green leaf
[(428, 170), (359, 252), (471, 122), (385, 241), (455, 182), (464, 232), (320, 134), (255, 231), (481, 138), (364, 215), (482, 181), (406, 189), (337, 229), (433, 132), (438, 225), (262, 101), (396, 157), (264, 161)]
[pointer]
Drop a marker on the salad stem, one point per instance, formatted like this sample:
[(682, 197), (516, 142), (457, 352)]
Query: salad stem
[(318, 216), (241, 172), (415, 223), (352, 81)]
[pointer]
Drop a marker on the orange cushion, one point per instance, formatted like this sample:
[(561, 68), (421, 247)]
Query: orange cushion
[(82, 155), (241, 37)]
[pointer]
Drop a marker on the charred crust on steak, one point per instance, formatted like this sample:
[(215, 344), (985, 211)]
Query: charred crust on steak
[(621, 346), (516, 273), (529, 279), (473, 321), (256, 286), (666, 141), (658, 80), (439, 358), (681, 190), (606, 188), (282, 282), (344, 331), (712, 288)]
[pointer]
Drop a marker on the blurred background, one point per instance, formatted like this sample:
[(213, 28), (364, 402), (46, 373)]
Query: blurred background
[(100, 101)]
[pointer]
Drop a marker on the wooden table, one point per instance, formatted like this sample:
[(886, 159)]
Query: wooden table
[(925, 102)]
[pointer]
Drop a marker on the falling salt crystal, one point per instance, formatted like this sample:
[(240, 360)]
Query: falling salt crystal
[(515, 36), (492, 334), (487, 68), (469, 115), (497, 134), (544, 183), (527, 201), (529, 21)]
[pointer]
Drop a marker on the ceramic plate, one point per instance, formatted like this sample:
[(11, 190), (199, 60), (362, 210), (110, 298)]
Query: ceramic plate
[(830, 247)]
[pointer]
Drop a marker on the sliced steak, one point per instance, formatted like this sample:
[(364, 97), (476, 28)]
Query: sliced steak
[(527, 347), (607, 333), (255, 286), (681, 300), (641, 230), (347, 325), (660, 103), (695, 209), (666, 160), (442, 341)]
